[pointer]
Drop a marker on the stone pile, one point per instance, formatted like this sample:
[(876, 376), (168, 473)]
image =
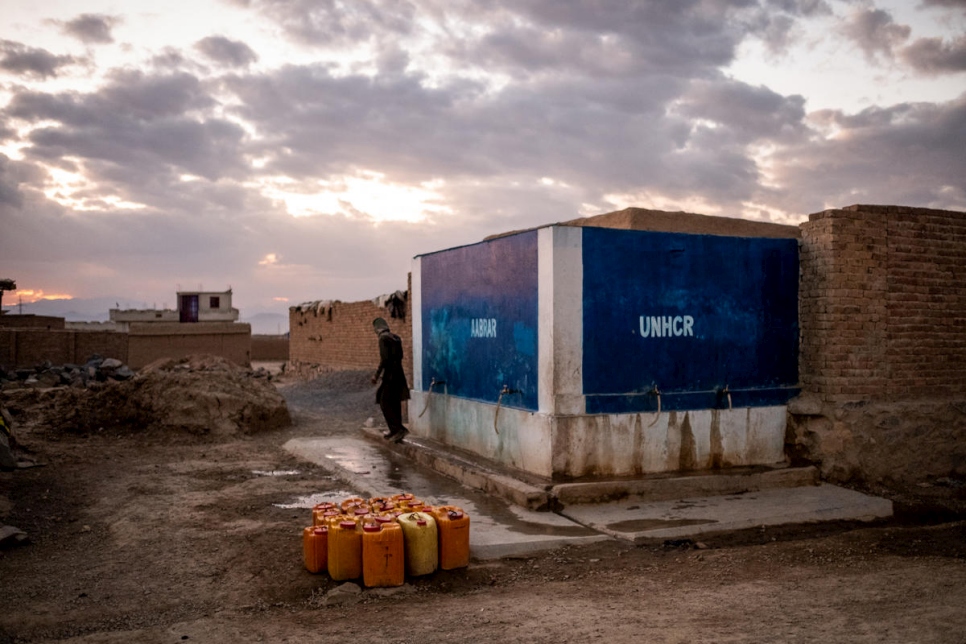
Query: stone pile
[(198, 394), (96, 369)]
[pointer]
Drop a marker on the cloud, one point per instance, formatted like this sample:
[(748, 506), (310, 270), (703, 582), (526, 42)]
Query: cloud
[(936, 55), (132, 139), (875, 32), (91, 28), (9, 185), (20, 59), (751, 113), (954, 4), (909, 153), (334, 23), (231, 53)]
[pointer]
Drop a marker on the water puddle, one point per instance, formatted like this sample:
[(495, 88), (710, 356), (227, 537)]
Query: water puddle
[(275, 472), (312, 500)]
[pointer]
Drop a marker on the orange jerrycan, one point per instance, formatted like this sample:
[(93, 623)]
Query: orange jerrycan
[(315, 548), (345, 550), (328, 517), (319, 511), (421, 543), (351, 502), (453, 526), (383, 562)]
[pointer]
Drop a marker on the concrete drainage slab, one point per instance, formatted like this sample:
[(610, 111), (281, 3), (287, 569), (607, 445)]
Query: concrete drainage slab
[(637, 521), (499, 529)]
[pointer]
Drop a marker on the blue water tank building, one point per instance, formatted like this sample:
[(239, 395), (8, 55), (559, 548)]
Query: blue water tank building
[(572, 352)]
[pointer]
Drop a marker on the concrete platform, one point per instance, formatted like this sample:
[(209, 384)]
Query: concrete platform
[(687, 517), (503, 512)]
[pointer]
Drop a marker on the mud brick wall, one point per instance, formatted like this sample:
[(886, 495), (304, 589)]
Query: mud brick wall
[(270, 347), (31, 321), (151, 341), (340, 336), (882, 313), (33, 346), (883, 304), (107, 344)]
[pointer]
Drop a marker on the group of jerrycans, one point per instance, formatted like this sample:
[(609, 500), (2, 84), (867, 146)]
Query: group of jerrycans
[(382, 540)]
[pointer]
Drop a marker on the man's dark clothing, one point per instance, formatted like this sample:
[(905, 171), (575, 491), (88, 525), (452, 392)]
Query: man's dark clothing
[(393, 389)]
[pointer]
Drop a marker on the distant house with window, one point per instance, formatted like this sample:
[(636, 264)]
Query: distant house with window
[(200, 306), (193, 306)]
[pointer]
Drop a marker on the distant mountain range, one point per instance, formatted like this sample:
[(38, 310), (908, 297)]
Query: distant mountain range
[(96, 310), (73, 310)]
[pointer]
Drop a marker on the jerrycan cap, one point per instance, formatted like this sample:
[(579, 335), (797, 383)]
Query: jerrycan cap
[(454, 514), (382, 520), (320, 530), (420, 522), (347, 525), (372, 527), (361, 511)]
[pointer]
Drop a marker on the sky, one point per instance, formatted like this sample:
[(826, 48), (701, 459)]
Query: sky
[(297, 150)]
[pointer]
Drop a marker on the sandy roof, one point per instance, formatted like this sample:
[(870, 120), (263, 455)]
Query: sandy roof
[(679, 222)]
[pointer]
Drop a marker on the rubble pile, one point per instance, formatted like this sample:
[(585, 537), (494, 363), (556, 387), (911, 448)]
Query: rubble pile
[(96, 369), (199, 394)]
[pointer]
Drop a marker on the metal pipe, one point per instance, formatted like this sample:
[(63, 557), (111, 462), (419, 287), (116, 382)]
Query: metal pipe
[(656, 392), (429, 393), (506, 391)]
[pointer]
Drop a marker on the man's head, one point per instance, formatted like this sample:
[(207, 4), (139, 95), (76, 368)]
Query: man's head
[(379, 325)]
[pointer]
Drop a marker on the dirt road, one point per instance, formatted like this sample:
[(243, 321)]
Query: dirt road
[(175, 538)]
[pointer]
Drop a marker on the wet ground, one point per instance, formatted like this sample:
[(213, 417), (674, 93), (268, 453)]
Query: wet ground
[(498, 528)]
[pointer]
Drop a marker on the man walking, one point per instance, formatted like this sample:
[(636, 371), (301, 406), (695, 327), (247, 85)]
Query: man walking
[(394, 389)]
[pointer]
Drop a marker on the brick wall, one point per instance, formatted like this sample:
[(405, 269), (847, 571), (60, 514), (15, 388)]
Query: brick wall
[(883, 345), (151, 341), (270, 347), (107, 344), (339, 335), (31, 321), (30, 347), (883, 304), (144, 344)]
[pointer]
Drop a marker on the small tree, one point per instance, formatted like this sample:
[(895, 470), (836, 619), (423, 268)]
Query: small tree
[(5, 285)]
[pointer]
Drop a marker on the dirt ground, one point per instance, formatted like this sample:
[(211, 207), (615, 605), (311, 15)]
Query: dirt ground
[(160, 537)]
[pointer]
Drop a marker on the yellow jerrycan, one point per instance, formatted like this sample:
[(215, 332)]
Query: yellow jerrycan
[(421, 543)]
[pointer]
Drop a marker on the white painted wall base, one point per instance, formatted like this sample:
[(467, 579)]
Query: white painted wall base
[(521, 438), (603, 445), (648, 443)]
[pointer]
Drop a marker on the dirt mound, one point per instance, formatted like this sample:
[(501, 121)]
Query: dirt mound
[(198, 394), (197, 363)]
